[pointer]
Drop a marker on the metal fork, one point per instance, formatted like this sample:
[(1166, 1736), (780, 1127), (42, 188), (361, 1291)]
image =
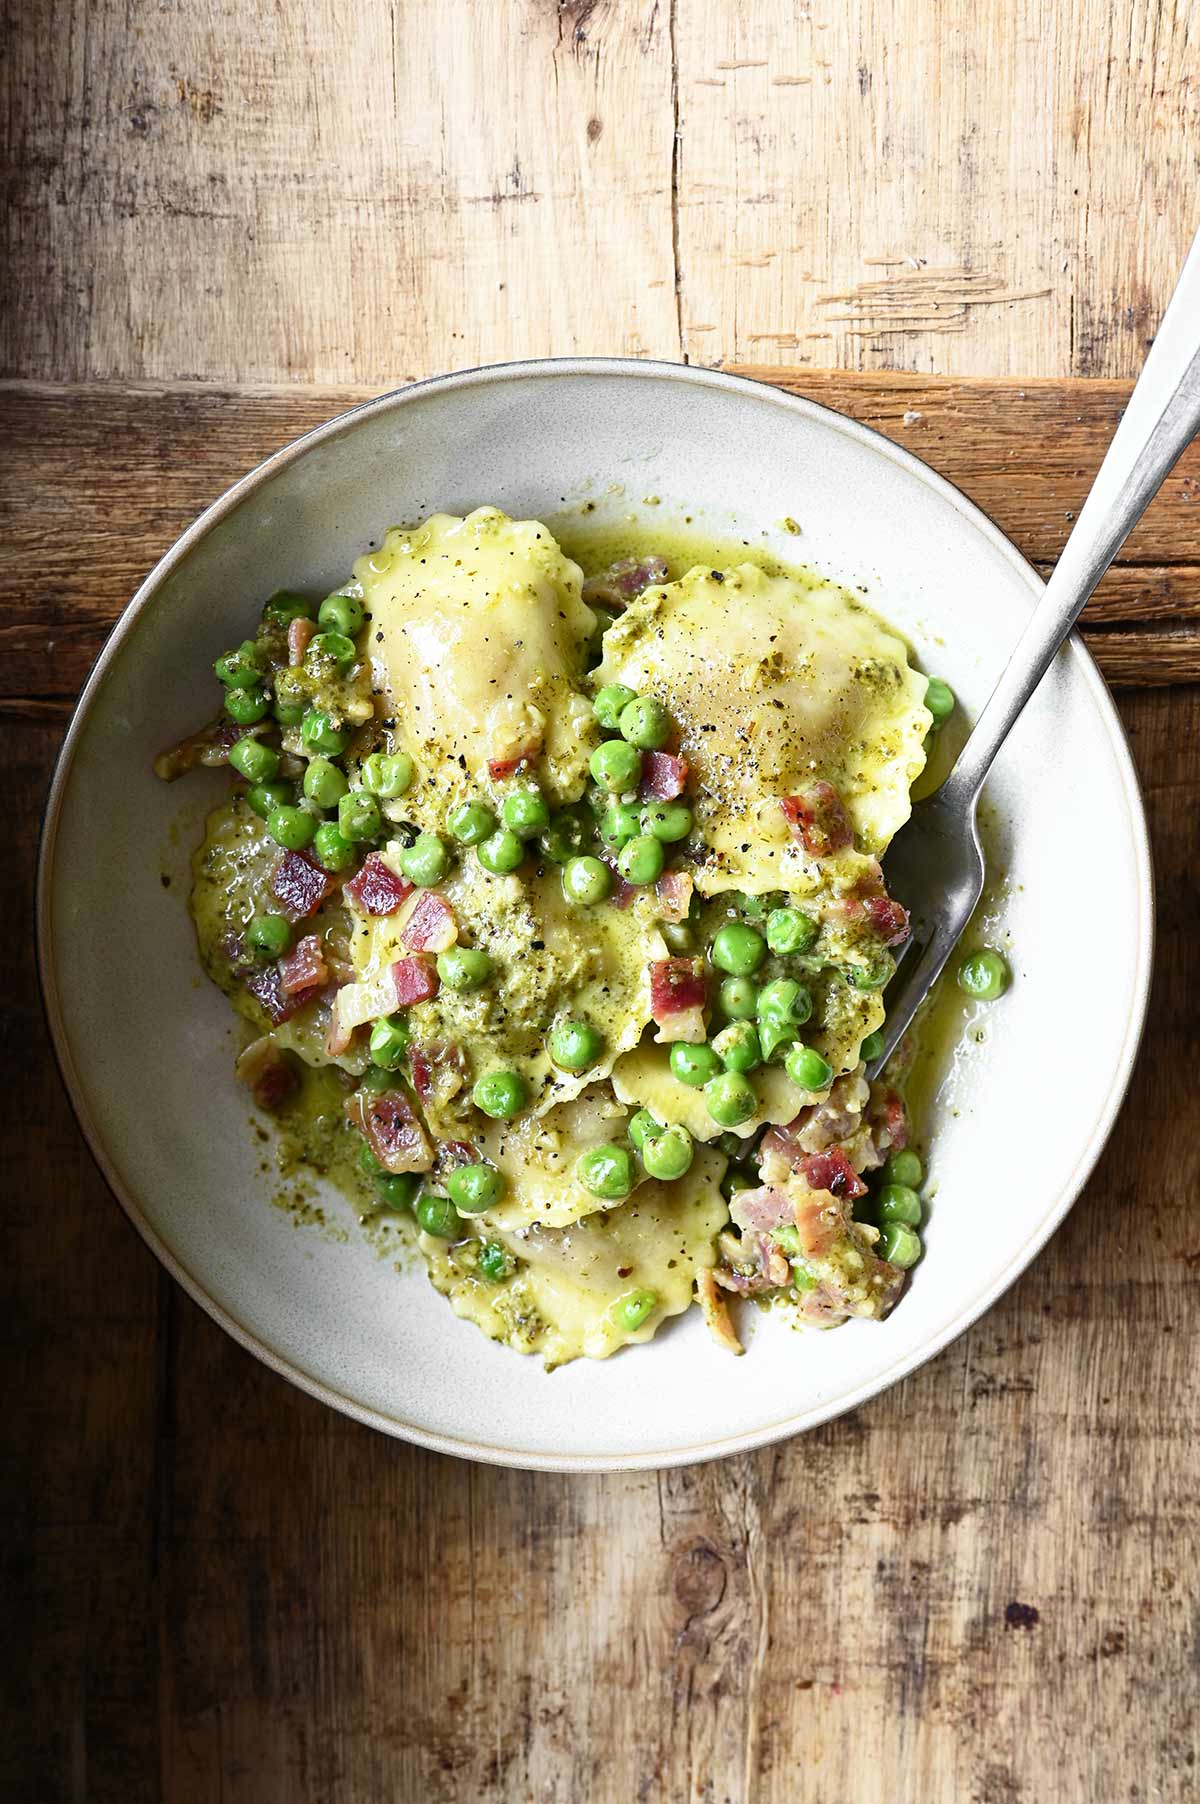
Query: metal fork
[(935, 865)]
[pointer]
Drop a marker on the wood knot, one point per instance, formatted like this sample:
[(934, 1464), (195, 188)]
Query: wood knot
[(700, 1577)]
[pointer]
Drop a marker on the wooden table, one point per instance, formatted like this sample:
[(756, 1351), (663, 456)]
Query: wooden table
[(982, 1586)]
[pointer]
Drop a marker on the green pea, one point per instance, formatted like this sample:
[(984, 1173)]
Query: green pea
[(635, 1308), (291, 828), (359, 818), (738, 949), (470, 823), (984, 976), (398, 1189), (609, 704), (730, 1098), (264, 798), (739, 998), (871, 1047), (368, 1164), (333, 850), (939, 699), (320, 734), (437, 1215), (324, 783), (375, 1079), (607, 1171), (464, 967), (251, 759), (525, 812), (738, 1046), (616, 766), (903, 1167), (807, 1069), (494, 1262), (240, 669), (642, 1126), (642, 860), (785, 1001), (899, 1245), (619, 824), (246, 706), (426, 861), (387, 774), (502, 853), (667, 821), (474, 1188), (679, 936), (270, 934), (500, 1094), (900, 1202), (873, 975), (575, 1045), (291, 696), (586, 880), (787, 1238), (668, 1155), (564, 837), (645, 722), (288, 714), (285, 606), (329, 650), (693, 1065), (791, 930), (390, 1040), (343, 613)]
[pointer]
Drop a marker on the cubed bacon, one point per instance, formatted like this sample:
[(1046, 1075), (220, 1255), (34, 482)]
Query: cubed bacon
[(820, 1225), (514, 760), (415, 980), (617, 586), (832, 1171), (439, 1072), (888, 918), (674, 893), (265, 984), (210, 747), (300, 631), (268, 1072), (664, 776), (888, 1120), (299, 885), (376, 889), (388, 1122), (457, 1152), (818, 819), (304, 967), (430, 925), (676, 984), (762, 1209), (340, 1037), (622, 895)]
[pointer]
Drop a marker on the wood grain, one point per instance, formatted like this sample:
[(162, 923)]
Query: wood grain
[(103, 477), (980, 1586), (276, 194)]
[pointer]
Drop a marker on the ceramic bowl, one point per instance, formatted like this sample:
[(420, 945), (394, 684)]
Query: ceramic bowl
[(146, 1044)]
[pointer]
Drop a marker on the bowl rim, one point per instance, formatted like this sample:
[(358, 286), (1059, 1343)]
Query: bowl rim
[(751, 388)]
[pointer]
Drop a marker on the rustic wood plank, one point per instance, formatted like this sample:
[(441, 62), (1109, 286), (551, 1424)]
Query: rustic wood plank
[(219, 1590), (103, 477), (294, 195)]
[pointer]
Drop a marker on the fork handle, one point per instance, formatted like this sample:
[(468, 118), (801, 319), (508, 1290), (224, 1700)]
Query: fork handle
[(1162, 418)]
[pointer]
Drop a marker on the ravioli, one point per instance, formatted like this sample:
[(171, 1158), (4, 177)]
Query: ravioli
[(478, 638), (772, 684), (564, 1297), (550, 961), (539, 1155)]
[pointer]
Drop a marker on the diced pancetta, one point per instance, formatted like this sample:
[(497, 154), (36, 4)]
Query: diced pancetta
[(510, 762), (678, 991), (415, 980), (818, 819), (265, 984), (376, 889), (299, 885), (664, 776), (762, 1209), (389, 1124), (888, 918), (430, 925), (304, 967), (300, 631), (268, 1072), (674, 894), (617, 586)]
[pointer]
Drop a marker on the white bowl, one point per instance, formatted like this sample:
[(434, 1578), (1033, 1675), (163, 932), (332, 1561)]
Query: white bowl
[(146, 1043)]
